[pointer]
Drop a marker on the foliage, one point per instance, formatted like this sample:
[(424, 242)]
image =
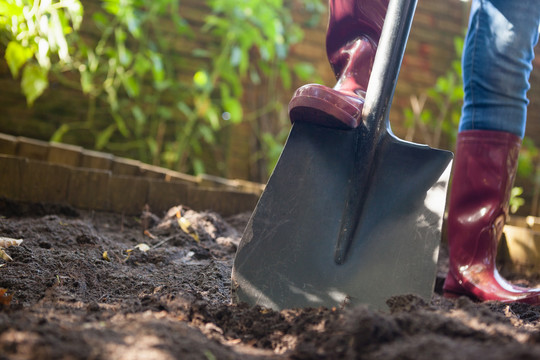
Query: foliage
[(529, 169), (35, 33), (446, 97), (158, 114)]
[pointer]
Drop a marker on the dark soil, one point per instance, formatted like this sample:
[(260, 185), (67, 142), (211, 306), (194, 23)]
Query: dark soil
[(80, 288)]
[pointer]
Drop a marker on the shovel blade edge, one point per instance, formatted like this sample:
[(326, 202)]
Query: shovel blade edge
[(286, 255)]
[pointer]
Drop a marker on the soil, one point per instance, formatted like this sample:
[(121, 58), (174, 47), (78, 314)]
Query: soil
[(80, 286)]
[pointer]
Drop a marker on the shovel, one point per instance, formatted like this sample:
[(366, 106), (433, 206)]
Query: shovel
[(348, 216)]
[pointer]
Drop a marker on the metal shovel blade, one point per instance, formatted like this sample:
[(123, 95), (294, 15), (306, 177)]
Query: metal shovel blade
[(348, 216), (287, 257)]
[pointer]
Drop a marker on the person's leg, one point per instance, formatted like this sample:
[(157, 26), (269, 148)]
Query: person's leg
[(354, 28), (497, 62)]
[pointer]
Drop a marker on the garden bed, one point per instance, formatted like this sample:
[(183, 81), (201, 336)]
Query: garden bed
[(81, 286)]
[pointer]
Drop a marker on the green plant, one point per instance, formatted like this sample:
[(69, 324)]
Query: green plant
[(529, 170), (36, 36), (446, 98), (159, 109)]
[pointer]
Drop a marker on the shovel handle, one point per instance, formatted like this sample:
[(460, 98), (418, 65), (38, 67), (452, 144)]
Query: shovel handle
[(380, 90), (385, 71)]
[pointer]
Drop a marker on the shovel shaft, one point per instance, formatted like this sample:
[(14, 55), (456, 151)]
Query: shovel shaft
[(380, 91), (384, 74)]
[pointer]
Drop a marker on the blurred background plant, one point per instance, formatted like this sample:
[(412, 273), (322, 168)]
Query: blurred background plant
[(433, 116), (159, 116)]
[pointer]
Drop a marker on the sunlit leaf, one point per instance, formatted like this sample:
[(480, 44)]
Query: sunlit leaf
[(34, 82), (186, 226), (75, 10), (234, 107), (201, 79), (112, 6), (16, 56), (59, 133)]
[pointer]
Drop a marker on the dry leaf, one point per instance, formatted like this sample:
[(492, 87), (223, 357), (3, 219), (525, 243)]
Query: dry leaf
[(5, 256), (106, 256), (7, 242), (186, 227), (142, 247), (5, 299), (147, 233)]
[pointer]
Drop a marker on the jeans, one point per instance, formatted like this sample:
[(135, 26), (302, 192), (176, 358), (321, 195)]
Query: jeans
[(497, 62)]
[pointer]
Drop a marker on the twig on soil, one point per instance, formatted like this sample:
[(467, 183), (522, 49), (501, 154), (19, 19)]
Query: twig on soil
[(162, 242)]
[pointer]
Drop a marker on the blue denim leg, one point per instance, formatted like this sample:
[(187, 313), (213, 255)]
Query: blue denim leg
[(497, 62)]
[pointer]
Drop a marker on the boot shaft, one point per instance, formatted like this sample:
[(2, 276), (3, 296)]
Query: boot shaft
[(354, 29), (484, 172)]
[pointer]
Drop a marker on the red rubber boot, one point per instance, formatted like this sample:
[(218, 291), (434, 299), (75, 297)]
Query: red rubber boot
[(484, 171), (354, 29)]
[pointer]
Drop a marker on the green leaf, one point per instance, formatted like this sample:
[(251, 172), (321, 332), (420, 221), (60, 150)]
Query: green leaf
[(111, 6), (185, 109), (213, 118), (86, 82), (286, 78), (234, 107), (131, 85), (201, 79), (75, 10), (236, 56), (157, 69), (198, 166), (121, 125), (141, 65), (139, 115), (207, 134), (164, 112), (104, 136), (34, 82), (304, 70), (133, 24), (16, 56), (59, 133), (100, 20)]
